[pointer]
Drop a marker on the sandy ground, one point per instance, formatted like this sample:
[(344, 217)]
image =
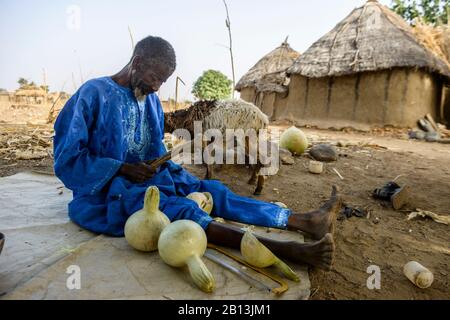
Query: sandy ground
[(385, 239)]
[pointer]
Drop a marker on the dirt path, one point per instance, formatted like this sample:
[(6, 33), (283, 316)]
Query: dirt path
[(385, 239)]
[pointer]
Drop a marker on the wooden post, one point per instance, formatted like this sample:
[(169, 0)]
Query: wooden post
[(176, 91), (132, 39), (44, 76), (228, 24)]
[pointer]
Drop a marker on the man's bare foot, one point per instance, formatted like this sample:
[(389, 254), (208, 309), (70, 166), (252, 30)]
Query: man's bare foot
[(319, 222), (319, 254)]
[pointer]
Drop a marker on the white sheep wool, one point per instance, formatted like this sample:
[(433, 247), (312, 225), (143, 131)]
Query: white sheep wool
[(143, 228), (235, 114), (184, 242), (294, 140)]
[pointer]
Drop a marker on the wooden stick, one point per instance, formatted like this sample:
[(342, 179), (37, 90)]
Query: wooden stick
[(228, 24), (431, 120), (337, 172), (131, 38), (156, 163)]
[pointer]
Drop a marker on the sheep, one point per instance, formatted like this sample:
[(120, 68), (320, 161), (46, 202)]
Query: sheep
[(222, 115)]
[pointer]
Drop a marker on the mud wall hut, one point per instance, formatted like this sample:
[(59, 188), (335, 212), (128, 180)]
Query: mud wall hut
[(266, 83), (370, 70)]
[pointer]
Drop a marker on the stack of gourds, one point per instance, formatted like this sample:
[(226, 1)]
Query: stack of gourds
[(184, 242)]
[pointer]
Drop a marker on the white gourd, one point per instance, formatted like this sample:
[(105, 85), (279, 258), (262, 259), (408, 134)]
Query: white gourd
[(184, 242), (203, 199), (143, 228), (258, 255)]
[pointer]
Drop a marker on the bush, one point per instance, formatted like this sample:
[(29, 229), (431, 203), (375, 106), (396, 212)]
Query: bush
[(212, 85)]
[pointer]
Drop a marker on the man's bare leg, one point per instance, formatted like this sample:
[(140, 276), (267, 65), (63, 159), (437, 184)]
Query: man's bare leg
[(319, 222), (318, 254)]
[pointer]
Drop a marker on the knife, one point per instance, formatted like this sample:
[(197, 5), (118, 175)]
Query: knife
[(253, 281)]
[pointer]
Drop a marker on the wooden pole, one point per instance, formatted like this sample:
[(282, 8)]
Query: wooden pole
[(228, 24), (132, 39), (75, 87), (176, 91), (176, 94), (44, 76)]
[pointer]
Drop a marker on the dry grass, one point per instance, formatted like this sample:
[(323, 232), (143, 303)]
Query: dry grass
[(435, 39)]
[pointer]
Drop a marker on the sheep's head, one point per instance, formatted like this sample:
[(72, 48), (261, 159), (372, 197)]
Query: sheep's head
[(185, 118), (175, 120)]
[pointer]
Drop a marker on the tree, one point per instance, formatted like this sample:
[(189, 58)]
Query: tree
[(22, 82), (212, 85), (430, 11)]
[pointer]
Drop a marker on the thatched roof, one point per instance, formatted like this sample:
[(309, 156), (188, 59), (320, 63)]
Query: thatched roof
[(274, 63), (31, 92), (371, 38), (273, 82), (436, 39)]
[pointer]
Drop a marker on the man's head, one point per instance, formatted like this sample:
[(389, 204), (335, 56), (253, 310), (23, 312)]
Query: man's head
[(153, 62)]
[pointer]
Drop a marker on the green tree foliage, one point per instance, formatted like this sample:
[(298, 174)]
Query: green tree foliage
[(23, 82), (430, 11), (212, 85)]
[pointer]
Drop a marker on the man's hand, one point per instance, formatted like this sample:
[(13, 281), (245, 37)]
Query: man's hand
[(137, 172)]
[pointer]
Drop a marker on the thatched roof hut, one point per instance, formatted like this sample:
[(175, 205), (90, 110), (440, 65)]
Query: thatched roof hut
[(370, 69), (371, 38), (267, 78), (33, 92), (30, 95)]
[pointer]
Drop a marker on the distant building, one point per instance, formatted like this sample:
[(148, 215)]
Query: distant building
[(266, 84), (370, 70)]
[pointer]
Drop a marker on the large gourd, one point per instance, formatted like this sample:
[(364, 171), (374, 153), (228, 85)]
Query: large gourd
[(143, 228), (184, 242), (294, 140), (258, 255)]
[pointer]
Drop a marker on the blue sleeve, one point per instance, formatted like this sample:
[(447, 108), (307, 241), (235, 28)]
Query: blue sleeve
[(78, 167)]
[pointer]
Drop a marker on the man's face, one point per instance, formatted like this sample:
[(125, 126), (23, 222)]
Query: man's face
[(148, 78)]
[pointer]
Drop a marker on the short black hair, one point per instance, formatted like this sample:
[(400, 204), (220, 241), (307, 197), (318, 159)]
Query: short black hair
[(156, 50)]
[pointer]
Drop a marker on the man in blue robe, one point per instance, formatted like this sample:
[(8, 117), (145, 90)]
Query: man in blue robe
[(112, 126)]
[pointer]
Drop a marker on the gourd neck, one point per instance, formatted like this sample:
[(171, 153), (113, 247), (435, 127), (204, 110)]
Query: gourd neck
[(151, 200), (200, 274)]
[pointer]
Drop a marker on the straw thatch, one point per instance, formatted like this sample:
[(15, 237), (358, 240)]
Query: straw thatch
[(268, 74), (371, 38), (436, 39), (273, 82), (31, 92)]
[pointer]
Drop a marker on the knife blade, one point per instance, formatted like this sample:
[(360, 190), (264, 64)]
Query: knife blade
[(253, 281)]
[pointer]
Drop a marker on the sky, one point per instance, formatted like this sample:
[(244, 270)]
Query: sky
[(72, 41)]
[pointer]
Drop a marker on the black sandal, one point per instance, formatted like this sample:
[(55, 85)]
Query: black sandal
[(398, 196), (386, 192)]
